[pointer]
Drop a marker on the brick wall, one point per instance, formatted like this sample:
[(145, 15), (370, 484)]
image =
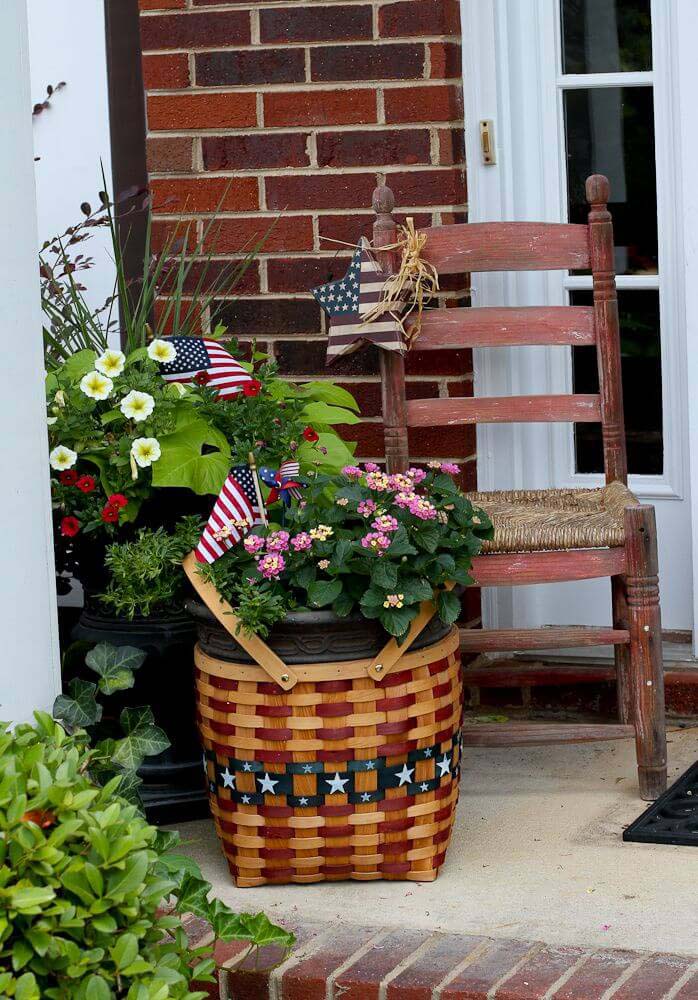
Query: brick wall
[(308, 106)]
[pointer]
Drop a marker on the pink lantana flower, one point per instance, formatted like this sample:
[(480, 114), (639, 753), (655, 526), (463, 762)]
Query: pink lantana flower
[(371, 467), (451, 468), (405, 498), (423, 509), (385, 523), (271, 565), (416, 475), (277, 541), (301, 542), (376, 541), (378, 481), (253, 543), (352, 471), (366, 507)]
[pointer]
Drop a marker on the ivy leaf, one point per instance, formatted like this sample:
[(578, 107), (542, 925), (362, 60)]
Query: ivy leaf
[(192, 897), (448, 606), (262, 931), (324, 592), (115, 665), (184, 462), (143, 738), (384, 575), (79, 708), (129, 786)]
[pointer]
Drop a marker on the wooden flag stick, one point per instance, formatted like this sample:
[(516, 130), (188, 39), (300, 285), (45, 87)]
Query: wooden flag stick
[(258, 491)]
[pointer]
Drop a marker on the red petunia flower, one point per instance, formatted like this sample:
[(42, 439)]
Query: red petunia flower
[(117, 500), (201, 378), (252, 388), (69, 477), (110, 515), (86, 484), (70, 526), (310, 434)]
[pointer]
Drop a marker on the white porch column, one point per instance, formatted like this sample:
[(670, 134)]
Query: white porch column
[(29, 662)]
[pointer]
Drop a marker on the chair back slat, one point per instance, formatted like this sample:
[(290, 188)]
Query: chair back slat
[(578, 409), (506, 327), (507, 246)]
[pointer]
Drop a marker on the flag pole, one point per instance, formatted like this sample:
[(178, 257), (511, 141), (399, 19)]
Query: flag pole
[(253, 470)]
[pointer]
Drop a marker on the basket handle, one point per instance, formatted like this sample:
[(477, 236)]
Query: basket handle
[(265, 657), (391, 654)]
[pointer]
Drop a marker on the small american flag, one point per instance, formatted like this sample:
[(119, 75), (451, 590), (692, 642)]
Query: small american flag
[(351, 298), (207, 358), (237, 502)]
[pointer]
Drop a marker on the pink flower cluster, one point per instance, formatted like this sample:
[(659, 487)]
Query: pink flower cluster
[(450, 467), (385, 523), (366, 507), (271, 565), (253, 543), (277, 541), (352, 471), (301, 542), (376, 541)]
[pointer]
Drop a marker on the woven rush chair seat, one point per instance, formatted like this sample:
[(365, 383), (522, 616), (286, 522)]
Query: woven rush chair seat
[(556, 520)]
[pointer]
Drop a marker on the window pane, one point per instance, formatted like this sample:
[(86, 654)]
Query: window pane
[(606, 36), (611, 131), (642, 385)]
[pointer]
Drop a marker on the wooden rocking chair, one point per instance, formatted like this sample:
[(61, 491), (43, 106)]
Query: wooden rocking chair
[(546, 536)]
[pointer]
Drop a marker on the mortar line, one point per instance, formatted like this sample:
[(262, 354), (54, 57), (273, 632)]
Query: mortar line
[(561, 980), (291, 962), (404, 964), (454, 973), (624, 976), (352, 960), (492, 992), (685, 978)]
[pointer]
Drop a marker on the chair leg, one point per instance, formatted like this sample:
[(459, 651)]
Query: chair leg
[(646, 674), (621, 653)]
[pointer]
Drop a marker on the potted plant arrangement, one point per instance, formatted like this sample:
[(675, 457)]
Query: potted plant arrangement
[(136, 449), (328, 686)]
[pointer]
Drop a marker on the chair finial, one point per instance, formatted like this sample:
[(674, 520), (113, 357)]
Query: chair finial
[(383, 200), (598, 190)]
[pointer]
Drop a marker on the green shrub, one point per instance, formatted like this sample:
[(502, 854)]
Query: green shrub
[(83, 881)]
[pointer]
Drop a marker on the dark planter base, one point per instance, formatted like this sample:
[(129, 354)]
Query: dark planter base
[(173, 787)]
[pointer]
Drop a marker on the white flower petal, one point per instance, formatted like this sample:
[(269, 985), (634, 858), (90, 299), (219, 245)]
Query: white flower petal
[(111, 363), (96, 386), (62, 458), (162, 351), (145, 451), (137, 406)]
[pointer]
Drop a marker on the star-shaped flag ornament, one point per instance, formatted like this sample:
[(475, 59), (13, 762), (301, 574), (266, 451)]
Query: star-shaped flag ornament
[(350, 299)]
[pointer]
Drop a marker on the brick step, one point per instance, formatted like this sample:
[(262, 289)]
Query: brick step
[(350, 962)]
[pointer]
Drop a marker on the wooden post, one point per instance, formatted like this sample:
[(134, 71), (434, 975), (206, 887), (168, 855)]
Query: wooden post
[(607, 329), (646, 675), (391, 362)]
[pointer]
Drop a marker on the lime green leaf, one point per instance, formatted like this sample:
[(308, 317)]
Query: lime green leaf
[(27, 988), (30, 897), (125, 951), (328, 392), (323, 413), (78, 364), (184, 462), (339, 453), (121, 883), (97, 989)]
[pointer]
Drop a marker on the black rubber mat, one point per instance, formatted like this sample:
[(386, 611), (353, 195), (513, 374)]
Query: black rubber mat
[(673, 818)]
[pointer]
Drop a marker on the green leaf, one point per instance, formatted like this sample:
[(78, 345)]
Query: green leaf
[(448, 606), (372, 598), (427, 535), (115, 665), (129, 785), (342, 551), (178, 864), (339, 453), (21, 953), (305, 576), (396, 621), (78, 364), (192, 897), (27, 988), (97, 989), (323, 413), (122, 883), (328, 392), (323, 592), (384, 575), (143, 738), (183, 461), (343, 605), (261, 931), (125, 951), (30, 897), (400, 545), (79, 708), (415, 589)]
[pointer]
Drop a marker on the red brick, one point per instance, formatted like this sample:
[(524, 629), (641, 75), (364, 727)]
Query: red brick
[(221, 273), (367, 62), (220, 69), (188, 31), (194, 111), (173, 233), (305, 24), (198, 931), (475, 981), (460, 389), (256, 151), (268, 317), (445, 60), (237, 235), (317, 191), (161, 4), (308, 979), (368, 394), (428, 17), (320, 107), (362, 980), (689, 991), (204, 194), (458, 362), (428, 187), (220, 3), (169, 155), (363, 149), (309, 358), (421, 977), (596, 975), (538, 974), (301, 274), (249, 980), (451, 146), (349, 228), (166, 72), (424, 104), (443, 442)]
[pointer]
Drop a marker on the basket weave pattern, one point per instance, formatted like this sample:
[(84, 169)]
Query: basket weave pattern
[(339, 778)]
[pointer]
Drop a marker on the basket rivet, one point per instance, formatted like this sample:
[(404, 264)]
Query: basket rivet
[(284, 678), (378, 667)]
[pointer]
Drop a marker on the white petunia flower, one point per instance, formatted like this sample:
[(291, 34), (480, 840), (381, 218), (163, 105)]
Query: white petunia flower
[(162, 351), (96, 386), (111, 363), (137, 405), (145, 451), (62, 458), (51, 421)]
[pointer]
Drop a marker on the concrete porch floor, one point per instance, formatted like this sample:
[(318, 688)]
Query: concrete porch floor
[(536, 854)]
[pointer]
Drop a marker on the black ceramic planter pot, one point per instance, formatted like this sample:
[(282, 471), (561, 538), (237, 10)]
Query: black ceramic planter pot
[(173, 787)]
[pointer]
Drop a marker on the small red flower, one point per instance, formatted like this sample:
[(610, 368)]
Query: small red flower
[(117, 500), (252, 388), (86, 484), (110, 515), (201, 378), (70, 526), (69, 477), (310, 434), (44, 818)]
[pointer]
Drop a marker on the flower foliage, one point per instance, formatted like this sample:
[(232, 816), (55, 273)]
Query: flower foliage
[(359, 541), (90, 894)]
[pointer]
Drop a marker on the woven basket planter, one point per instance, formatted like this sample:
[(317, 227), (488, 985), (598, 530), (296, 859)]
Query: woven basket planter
[(342, 769)]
